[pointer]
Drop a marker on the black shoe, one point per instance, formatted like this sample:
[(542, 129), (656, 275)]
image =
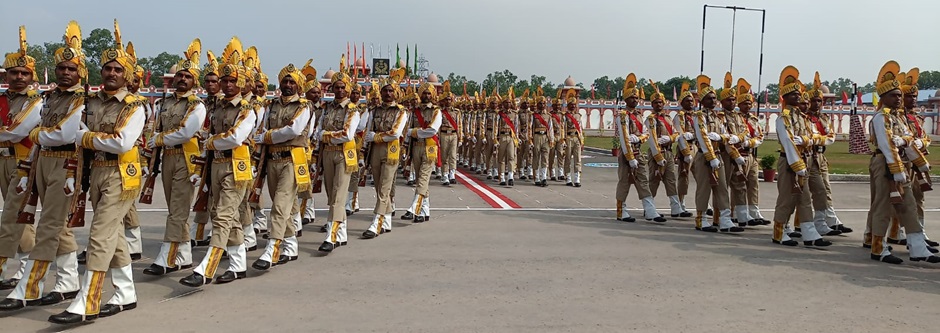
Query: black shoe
[(899, 242), (511, 183), (261, 265), (891, 259), (657, 219), (82, 257), (795, 234), (524, 177), (502, 183), (709, 212), (251, 249), (419, 219), (70, 318), (554, 179), (929, 242), (445, 183), (767, 222), (385, 231), (136, 256), (349, 212), (265, 236), (818, 242), (577, 184), (204, 242), (8, 284), (230, 276), (195, 280), (305, 221), (742, 224), (732, 229), (325, 227), (685, 214), (56, 297), (930, 259), (326, 247), (569, 184), (10, 304), (408, 216), (562, 178), (112, 309), (453, 181), (628, 219), (710, 228), (797, 229), (843, 228), (158, 270), (410, 183), (834, 232), (283, 259), (788, 242), (368, 234), (489, 177), (755, 222)]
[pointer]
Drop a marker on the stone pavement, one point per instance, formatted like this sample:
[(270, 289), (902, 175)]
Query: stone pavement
[(558, 262)]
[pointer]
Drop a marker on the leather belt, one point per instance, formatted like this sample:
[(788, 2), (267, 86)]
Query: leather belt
[(449, 131), (333, 148), (540, 132), (279, 155), (68, 147), (504, 132), (819, 149), (573, 133), (222, 154), (103, 156)]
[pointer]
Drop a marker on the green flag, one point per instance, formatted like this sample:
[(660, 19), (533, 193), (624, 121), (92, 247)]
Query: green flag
[(397, 55), (416, 58), (407, 60)]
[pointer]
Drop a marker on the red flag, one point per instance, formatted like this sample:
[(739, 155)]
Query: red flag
[(674, 96), (363, 69), (353, 59), (859, 99), (845, 98), (766, 97), (147, 79), (347, 53), (592, 91), (465, 88)]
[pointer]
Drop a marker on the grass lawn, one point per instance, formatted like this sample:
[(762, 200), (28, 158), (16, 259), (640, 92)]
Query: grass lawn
[(840, 161)]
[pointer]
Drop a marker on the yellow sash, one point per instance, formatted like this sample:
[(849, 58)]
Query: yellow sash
[(393, 152), (241, 165), (349, 154), (190, 151), (21, 151), (301, 173), (129, 167), (430, 148)]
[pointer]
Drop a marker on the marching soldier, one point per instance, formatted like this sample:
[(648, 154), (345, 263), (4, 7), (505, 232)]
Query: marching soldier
[(745, 102), (490, 150), (115, 119), (284, 133), (199, 234), (683, 123), (451, 136), (180, 117), (795, 137), (524, 154), (507, 140), (920, 141), (383, 132), (574, 138), (352, 198), (423, 138), (250, 214), (662, 167), (229, 159), (480, 134), (336, 131), (312, 94), (56, 136), (735, 152), (632, 163), (20, 112), (542, 135), (556, 156), (892, 195), (710, 179), (132, 220), (825, 219), (467, 120)]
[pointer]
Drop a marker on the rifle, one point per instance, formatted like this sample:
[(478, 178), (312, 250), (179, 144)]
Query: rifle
[(262, 166), (27, 212), (406, 172), (317, 178), (737, 169), (154, 156), (203, 193), (923, 180), (654, 135), (367, 147), (80, 166)]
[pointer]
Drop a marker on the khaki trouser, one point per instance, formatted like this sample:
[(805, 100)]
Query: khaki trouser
[(573, 155), (53, 238), (683, 185), (422, 166), (882, 210), (132, 220), (524, 155), (449, 151), (751, 170), (641, 181), (705, 191), (506, 154), (384, 176), (335, 179), (541, 148), (787, 201), (107, 247), (227, 196), (557, 156), (353, 182), (737, 182), (478, 152), (818, 181), (283, 189), (668, 177), (14, 237), (490, 152), (178, 191)]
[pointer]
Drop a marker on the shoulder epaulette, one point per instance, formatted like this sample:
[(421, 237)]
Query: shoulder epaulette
[(303, 101), (131, 99)]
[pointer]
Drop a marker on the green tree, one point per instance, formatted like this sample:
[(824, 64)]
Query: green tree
[(158, 66), (95, 44)]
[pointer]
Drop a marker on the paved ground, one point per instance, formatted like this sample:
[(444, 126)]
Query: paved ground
[(558, 263)]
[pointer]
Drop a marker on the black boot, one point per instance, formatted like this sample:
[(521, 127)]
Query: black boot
[(326, 247), (891, 259), (510, 183), (368, 234), (82, 257), (819, 242), (56, 297), (407, 216), (108, 310), (70, 318), (230, 276), (261, 265), (195, 280), (418, 219), (788, 242), (305, 221), (158, 270)]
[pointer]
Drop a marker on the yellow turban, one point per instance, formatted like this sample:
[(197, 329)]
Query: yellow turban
[(20, 58), (72, 51)]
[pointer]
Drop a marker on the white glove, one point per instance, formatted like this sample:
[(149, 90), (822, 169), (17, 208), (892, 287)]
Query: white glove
[(740, 160), (661, 163), (259, 138), (21, 186), (195, 179), (925, 168), (688, 158), (919, 144), (714, 136), (69, 187), (254, 171), (801, 173), (715, 163), (734, 139), (362, 163), (634, 163), (473, 139), (898, 141), (900, 177), (798, 140), (634, 138), (152, 143), (689, 136), (370, 137), (664, 139), (144, 171)]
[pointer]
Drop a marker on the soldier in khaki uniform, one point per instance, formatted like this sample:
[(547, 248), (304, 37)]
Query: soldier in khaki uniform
[(632, 163), (451, 135), (710, 177), (892, 195), (479, 135), (824, 218), (556, 158), (198, 233), (423, 137), (795, 139), (490, 149), (313, 94), (507, 139), (336, 130), (686, 145), (180, 116), (734, 157), (56, 136), (115, 119), (352, 198), (574, 139), (524, 154), (250, 214), (132, 221), (755, 134), (284, 133), (542, 135), (662, 165), (21, 115), (230, 176), (385, 127)]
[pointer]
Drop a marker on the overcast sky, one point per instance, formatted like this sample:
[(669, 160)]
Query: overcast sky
[(584, 38)]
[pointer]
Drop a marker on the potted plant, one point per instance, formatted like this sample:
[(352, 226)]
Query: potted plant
[(768, 164), (615, 143)]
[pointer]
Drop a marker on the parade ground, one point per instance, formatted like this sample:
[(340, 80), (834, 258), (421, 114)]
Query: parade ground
[(533, 259)]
